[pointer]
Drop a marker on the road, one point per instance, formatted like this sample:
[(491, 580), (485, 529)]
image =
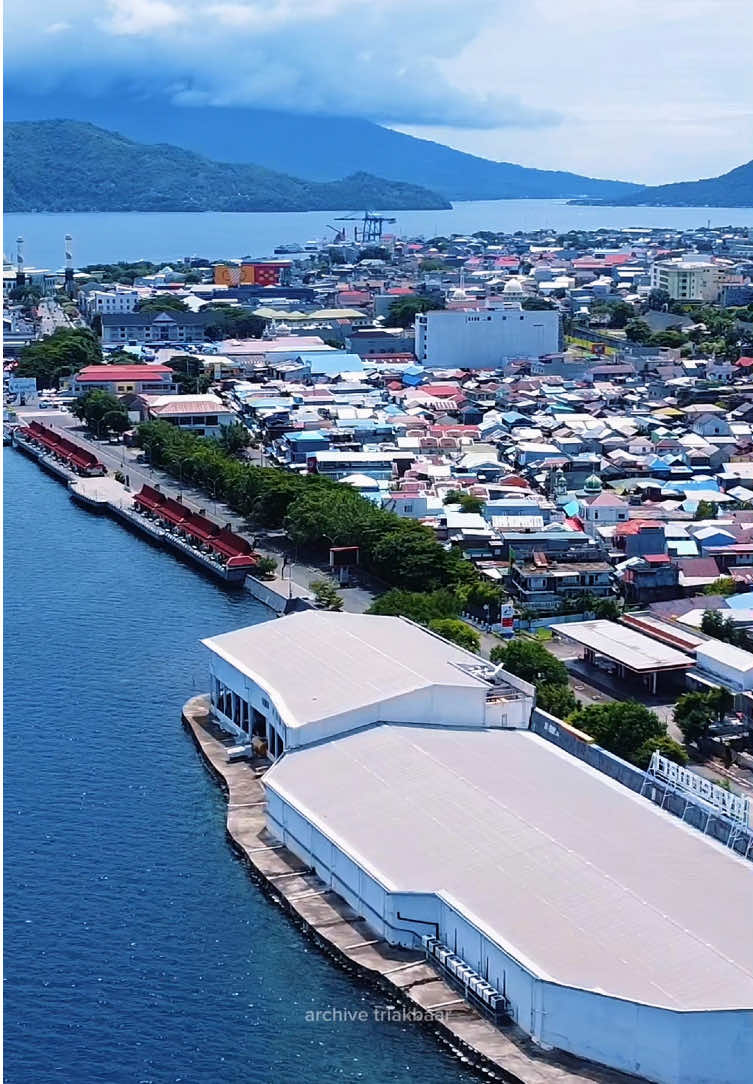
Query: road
[(51, 316)]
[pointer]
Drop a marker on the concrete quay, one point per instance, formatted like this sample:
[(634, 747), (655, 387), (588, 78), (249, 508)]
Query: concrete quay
[(409, 982)]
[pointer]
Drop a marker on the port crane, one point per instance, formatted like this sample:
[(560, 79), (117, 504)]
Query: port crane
[(371, 227)]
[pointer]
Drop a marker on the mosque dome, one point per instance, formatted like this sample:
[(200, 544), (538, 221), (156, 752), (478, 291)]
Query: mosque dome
[(513, 288), (592, 485)]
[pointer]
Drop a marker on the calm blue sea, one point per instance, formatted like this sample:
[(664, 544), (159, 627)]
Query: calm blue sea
[(110, 237), (137, 949)]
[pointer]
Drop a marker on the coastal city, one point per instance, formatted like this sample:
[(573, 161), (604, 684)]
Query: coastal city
[(490, 501)]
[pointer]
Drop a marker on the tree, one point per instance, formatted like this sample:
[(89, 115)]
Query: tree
[(402, 312), (531, 661), (665, 746), (57, 355), (607, 609), (374, 252), (621, 727), (695, 712), (162, 303), (558, 700), (190, 373), (234, 438), (101, 412), (231, 322), (467, 502), (430, 265), (264, 568), (457, 632), (673, 339), (420, 606), (705, 510), (326, 596), (637, 331), (723, 585), (658, 299), (536, 304), (620, 314)]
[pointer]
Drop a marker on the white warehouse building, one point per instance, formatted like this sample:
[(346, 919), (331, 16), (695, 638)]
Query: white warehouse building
[(485, 338), (410, 784)]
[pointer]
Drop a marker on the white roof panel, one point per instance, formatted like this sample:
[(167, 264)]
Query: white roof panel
[(319, 664), (566, 869)]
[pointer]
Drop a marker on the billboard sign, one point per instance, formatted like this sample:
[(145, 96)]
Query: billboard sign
[(730, 805), (22, 385)]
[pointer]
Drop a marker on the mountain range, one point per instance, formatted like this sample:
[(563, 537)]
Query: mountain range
[(315, 148), (65, 165), (298, 162), (732, 189)]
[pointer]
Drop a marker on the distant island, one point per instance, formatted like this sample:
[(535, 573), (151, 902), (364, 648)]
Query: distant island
[(733, 189), (64, 165)]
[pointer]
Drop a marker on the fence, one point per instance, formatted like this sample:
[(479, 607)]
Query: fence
[(729, 833)]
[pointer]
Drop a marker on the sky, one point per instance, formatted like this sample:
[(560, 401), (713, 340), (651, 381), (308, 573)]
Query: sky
[(639, 89)]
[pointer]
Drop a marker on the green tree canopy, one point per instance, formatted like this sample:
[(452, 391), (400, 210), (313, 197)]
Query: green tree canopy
[(622, 727), (402, 312), (162, 303), (60, 354), (420, 606), (637, 331), (102, 412), (705, 510), (234, 438), (457, 632), (558, 700), (531, 661), (694, 713)]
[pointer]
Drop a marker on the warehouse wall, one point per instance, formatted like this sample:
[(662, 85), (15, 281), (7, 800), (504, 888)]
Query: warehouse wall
[(658, 1044)]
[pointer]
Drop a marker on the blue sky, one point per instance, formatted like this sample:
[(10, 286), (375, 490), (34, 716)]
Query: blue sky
[(637, 89)]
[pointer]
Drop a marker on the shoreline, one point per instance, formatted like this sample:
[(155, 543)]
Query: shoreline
[(269, 593), (496, 1053)]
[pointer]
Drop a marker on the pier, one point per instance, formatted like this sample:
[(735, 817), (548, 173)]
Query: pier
[(411, 983)]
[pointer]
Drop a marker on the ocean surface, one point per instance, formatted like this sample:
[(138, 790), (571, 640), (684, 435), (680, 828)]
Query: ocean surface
[(110, 237), (137, 948)]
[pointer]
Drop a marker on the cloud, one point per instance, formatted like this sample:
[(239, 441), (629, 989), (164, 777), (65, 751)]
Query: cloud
[(386, 60)]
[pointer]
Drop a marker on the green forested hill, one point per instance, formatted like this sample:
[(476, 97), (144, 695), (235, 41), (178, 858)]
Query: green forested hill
[(62, 165), (733, 189)]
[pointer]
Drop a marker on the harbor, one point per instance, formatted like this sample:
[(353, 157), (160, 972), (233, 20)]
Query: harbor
[(166, 521)]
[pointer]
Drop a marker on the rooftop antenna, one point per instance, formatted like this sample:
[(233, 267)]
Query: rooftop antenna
[(20, 275), (68, 265)]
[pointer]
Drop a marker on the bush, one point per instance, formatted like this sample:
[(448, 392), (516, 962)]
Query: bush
[(326, 596), (558, 700), (621, 727), (458, 633), (265, 568)]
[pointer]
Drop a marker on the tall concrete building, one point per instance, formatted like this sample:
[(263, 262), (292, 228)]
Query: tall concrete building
[(485, 338), (686, 280)]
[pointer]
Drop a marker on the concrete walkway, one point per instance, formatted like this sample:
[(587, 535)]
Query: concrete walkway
[(118, 457)]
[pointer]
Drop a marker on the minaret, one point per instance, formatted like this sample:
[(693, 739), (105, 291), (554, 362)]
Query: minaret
[(20, 275), (68, 265)]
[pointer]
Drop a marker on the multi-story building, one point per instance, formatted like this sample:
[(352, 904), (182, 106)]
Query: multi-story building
[(124, 380), (543, 585), (485, 338), (152, 327), (686, 280), (99, 302)]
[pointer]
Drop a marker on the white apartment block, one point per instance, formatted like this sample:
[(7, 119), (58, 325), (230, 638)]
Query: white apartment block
[(485, 338), (111, 301), (686, 280)]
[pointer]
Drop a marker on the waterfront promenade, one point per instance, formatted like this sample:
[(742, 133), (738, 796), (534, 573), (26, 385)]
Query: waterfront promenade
[(272, 544)]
